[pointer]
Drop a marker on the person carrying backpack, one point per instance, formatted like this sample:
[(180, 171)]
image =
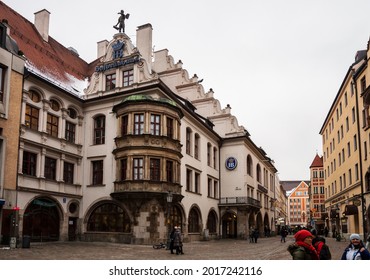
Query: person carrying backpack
[(321, 247)]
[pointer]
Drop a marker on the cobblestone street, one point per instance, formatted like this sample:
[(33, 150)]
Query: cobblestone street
[(226, 249)]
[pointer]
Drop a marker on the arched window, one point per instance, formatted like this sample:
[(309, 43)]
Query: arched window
[(34, 96), (258, 171), (188, 140), (194, 221), (109, 217), (54, 105), (72, 113), (209, 154), (212, 222), (196, 145), (249, 166)]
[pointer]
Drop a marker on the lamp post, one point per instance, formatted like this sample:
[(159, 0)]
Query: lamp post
[(169, 201)]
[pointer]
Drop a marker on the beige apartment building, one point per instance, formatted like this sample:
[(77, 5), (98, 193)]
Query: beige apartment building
[(281, 208), (345, 139), (125, 147)]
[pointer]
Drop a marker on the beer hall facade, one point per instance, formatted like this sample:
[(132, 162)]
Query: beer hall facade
[(123, 148)]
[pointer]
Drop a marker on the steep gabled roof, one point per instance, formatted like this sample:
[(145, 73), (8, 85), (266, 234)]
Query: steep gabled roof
[(317, 162), (290, 185), (49, 58)]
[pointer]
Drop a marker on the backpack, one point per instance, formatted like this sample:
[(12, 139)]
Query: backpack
[(322, 250)]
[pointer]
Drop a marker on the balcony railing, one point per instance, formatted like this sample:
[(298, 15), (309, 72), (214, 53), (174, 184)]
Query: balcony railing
[(240, 200)]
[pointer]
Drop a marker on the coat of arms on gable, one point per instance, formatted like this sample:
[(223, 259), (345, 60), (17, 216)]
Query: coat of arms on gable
[(117, 49)]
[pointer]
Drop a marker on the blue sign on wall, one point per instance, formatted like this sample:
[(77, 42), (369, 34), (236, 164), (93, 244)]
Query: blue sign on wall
[(231, 163)]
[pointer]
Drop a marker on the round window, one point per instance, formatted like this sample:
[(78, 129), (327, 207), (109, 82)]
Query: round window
[(73, 208)]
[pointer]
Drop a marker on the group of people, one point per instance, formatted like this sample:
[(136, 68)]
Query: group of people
[(254, 234), (309, 246), (176, 239)]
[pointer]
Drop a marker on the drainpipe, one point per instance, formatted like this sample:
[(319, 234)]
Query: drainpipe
[(219, 188), (363, 202)]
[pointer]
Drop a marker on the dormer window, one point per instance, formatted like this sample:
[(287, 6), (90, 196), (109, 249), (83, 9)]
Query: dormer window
[(110, 81)]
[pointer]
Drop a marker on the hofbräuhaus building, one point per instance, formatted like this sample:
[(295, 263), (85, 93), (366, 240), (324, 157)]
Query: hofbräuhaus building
[(123, 148)]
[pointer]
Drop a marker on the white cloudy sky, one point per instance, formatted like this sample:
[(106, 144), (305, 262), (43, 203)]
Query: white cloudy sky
[(279, 64)]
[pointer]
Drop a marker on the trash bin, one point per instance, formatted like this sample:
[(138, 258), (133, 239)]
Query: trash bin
[(26, 240)]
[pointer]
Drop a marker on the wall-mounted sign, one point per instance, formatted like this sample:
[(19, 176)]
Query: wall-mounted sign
[(231, 163), (117, 63)]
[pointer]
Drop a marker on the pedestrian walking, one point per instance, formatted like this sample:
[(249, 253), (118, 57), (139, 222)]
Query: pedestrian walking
[(302, 248), (320, 245), (356, 249), (251, 237), (177, 241), (283, 234), (171, 239), (256, 235)]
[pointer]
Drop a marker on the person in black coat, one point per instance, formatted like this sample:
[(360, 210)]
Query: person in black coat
[(321, 247), (256, 234), (171, 239)]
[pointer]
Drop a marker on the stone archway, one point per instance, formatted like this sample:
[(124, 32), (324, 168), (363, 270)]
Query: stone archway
[(259, 222), (41, 220)]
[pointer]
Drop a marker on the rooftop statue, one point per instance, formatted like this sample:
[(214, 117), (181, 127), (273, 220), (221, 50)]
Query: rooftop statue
[(121, 21)]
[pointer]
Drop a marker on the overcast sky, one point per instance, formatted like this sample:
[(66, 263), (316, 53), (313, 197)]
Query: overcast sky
[(279, 64)]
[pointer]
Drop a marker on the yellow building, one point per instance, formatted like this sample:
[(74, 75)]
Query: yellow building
[(345, 147), (11, 78)]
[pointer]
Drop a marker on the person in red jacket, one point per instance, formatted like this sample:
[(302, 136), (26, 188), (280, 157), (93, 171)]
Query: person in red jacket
[(302, 248)]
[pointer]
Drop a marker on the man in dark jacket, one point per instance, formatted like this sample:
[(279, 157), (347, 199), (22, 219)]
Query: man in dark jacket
[(320, 245)]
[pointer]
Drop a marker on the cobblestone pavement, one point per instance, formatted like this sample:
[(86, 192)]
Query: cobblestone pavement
[(226, 249)]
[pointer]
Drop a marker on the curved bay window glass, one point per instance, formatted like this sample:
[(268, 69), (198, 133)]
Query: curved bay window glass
[(109, 218), (194, 225)]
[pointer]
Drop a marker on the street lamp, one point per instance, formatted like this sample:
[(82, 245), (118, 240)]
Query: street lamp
[(169, 201)]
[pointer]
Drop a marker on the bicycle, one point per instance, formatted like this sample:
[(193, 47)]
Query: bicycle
[(159, 246)]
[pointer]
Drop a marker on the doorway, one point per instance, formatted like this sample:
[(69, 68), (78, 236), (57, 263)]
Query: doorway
[(229, 225)]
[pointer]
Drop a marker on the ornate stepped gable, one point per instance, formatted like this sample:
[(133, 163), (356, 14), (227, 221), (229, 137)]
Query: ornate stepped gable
[(177, 78)]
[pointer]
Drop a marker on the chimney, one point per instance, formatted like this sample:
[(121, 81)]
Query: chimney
[(144, 42), (102, 48), (42, 23)]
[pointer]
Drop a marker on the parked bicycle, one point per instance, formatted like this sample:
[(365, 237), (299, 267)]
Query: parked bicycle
[(159, 246)]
